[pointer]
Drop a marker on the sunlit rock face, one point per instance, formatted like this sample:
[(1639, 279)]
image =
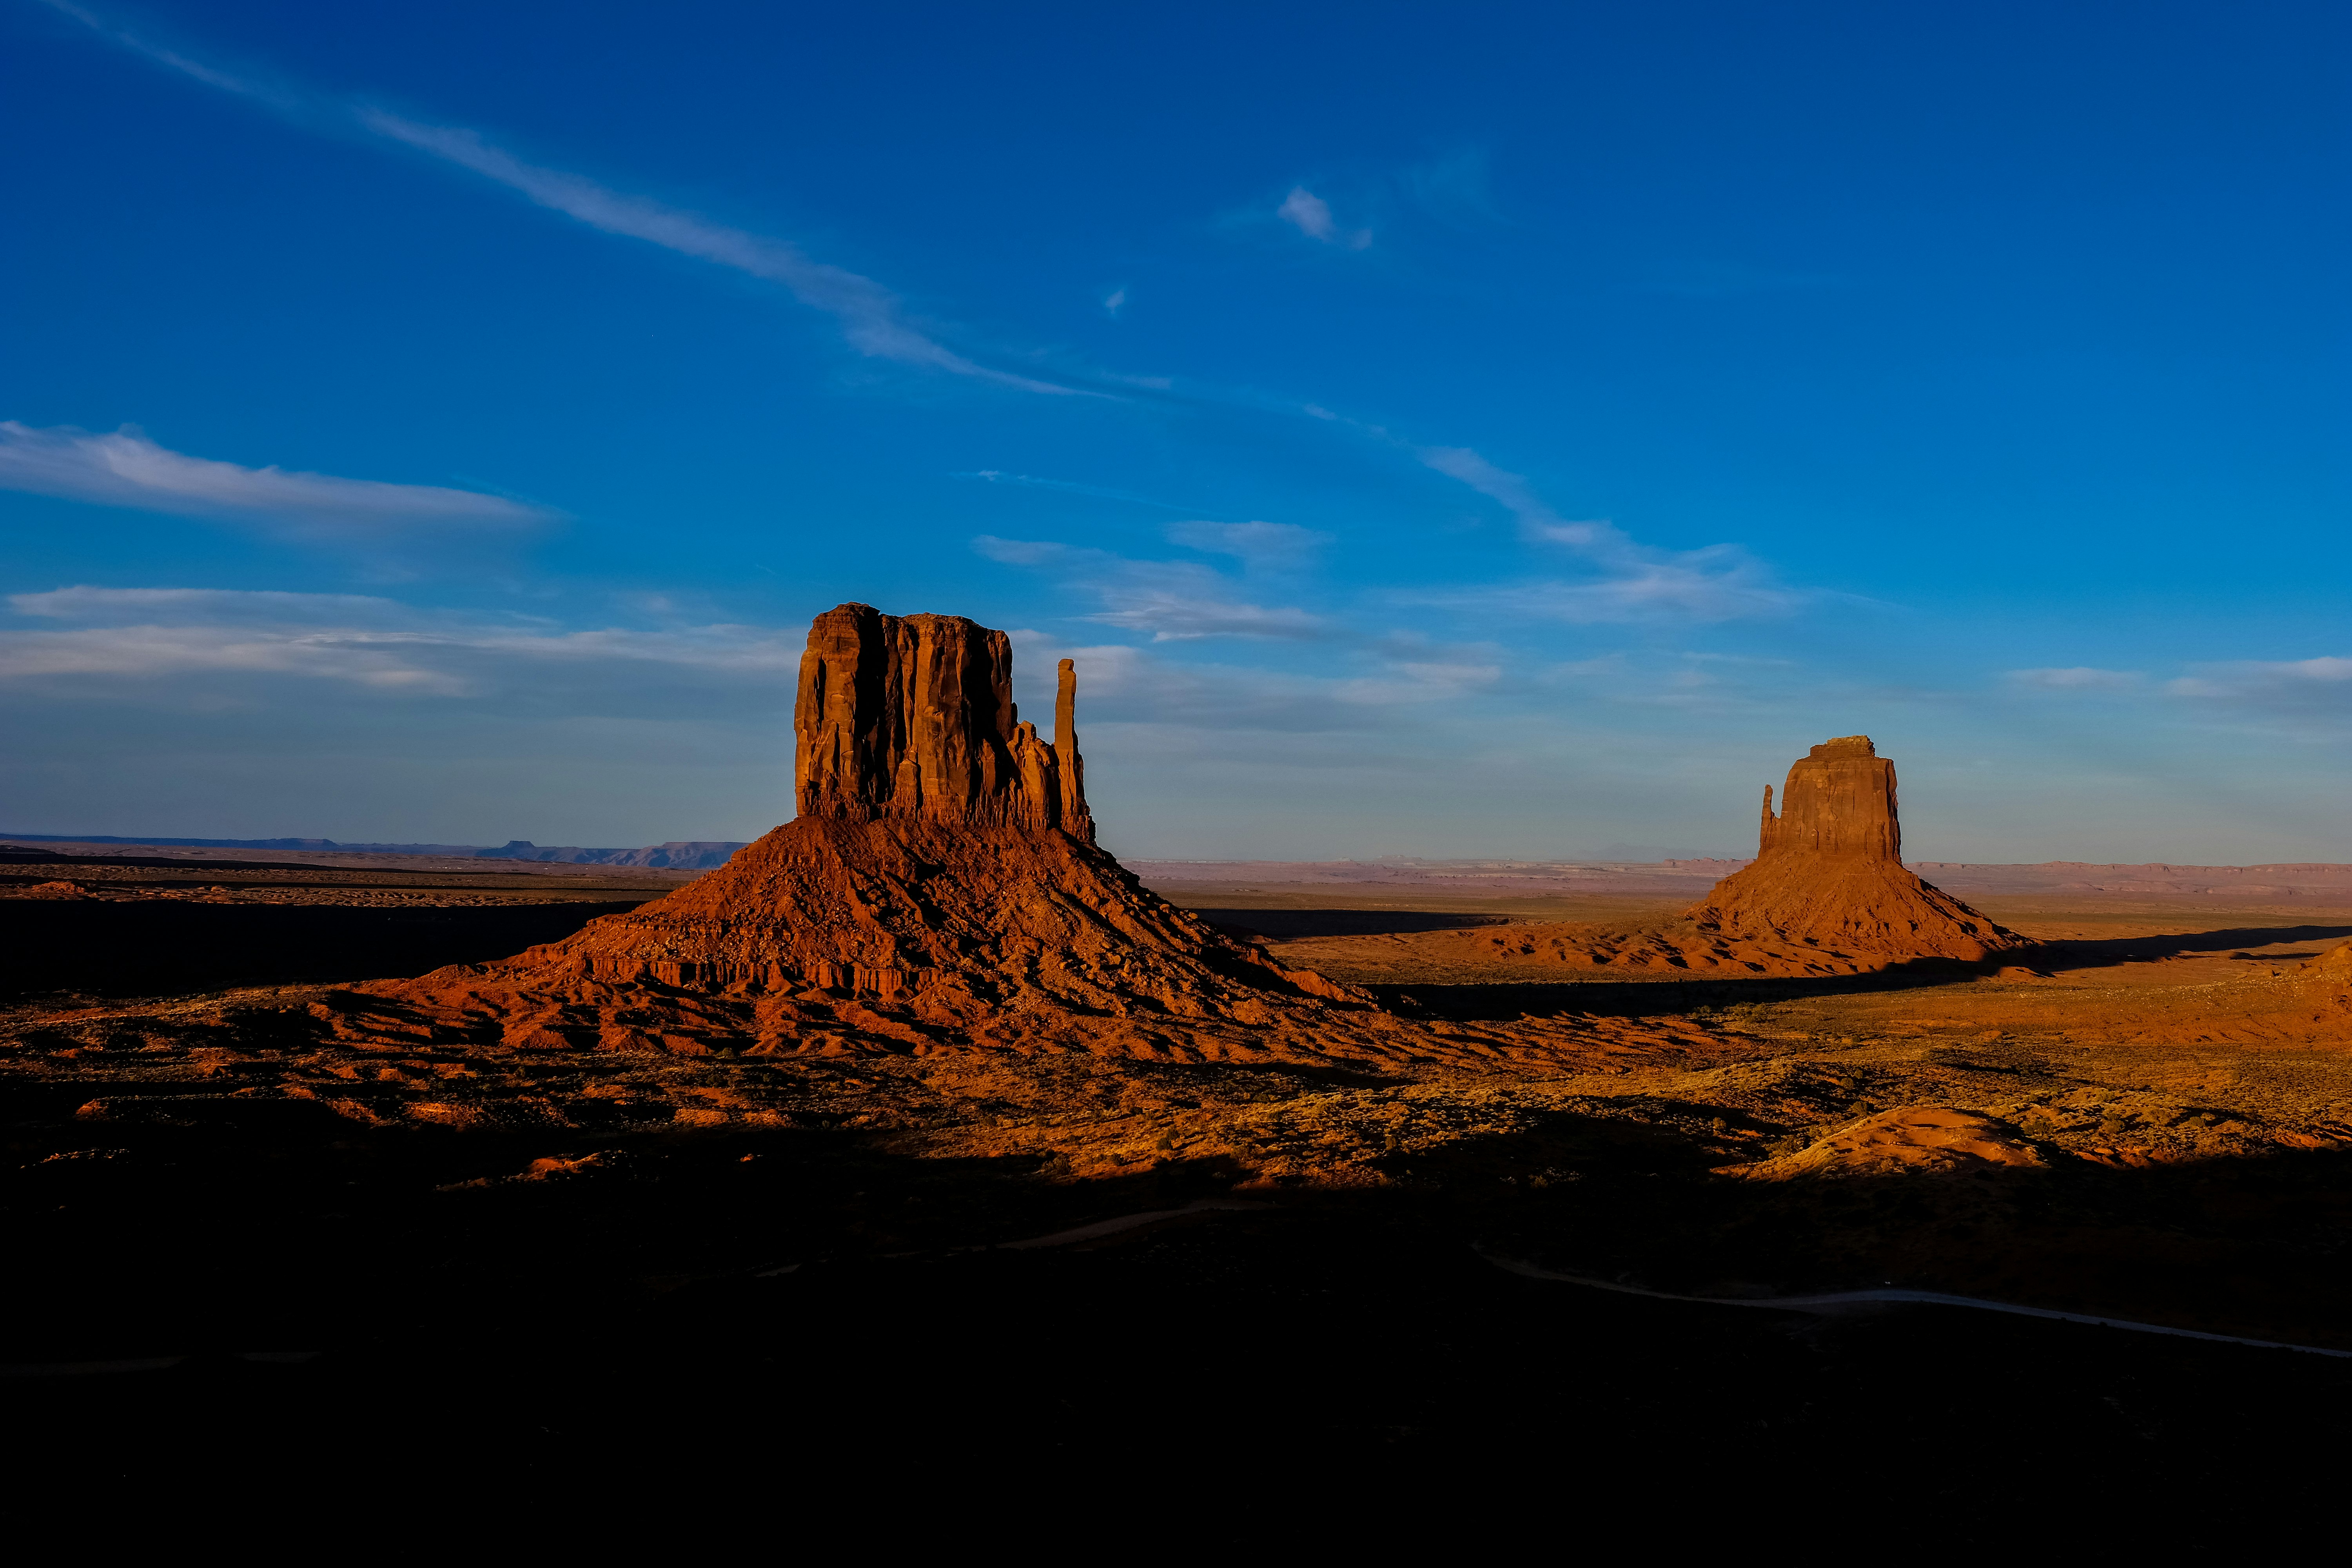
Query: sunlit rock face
[(1839, 801), (913, 717)]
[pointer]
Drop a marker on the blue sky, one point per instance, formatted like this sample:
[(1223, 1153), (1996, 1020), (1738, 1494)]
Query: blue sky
[(1452, 430)]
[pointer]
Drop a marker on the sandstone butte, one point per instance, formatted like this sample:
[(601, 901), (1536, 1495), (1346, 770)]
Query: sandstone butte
[(1829, 871), (940, 886), (1827, 894)]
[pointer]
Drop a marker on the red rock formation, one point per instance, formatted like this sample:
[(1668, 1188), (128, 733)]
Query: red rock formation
[(1829, 871), (914, 717), (941, 885), (1838, 802)]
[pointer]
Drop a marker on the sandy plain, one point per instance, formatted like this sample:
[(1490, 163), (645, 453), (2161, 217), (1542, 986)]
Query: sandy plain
[(1322, 1263)]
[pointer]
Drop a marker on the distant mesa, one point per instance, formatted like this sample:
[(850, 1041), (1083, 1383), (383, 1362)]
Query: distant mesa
[(941, 888), (1829, 871), (678, 853), (1827, 894)]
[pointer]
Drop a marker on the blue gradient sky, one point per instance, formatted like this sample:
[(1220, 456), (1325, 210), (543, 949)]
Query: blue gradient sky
[(1434, 430)]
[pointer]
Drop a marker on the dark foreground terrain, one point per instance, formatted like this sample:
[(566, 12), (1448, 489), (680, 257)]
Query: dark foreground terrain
[(257, 1278)]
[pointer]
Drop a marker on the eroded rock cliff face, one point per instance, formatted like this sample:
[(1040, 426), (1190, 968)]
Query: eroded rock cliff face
[(1838, 802), (942, 886), (1829, 870), (913, 717)]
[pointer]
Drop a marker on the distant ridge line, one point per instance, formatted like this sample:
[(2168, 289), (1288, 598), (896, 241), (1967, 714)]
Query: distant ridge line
[(2299, 881), (699, 853)]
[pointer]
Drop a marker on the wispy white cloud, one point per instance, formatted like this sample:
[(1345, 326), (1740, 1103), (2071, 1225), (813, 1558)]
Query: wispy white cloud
[(1718, 585), (2080, 678), (152, 652), (870, 315), (1172, 601), (1260, 546), (1310, 214), (194, 69), (125, 605), (1170, 615), (125, 467), (1633, 583), (872, 318), (1138, 691), (1607, 667), (158, 635), (1116, 301), (1419, 681), (1537, 518), (2303, 684)]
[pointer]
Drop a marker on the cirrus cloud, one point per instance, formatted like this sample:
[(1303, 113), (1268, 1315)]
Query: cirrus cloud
[(133, 636), (2080, 678), (2302, 684), (1173, 601), (872, 318), (1310, 214), (1260, 546), (870, 315), (125, 467), (1632, 582)]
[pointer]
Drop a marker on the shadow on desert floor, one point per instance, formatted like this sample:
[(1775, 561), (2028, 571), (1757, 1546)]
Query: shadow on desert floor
[(1468, 998), (537, 1327), (284, 1228), (1284, 924), (2089, 954), (143, 950)]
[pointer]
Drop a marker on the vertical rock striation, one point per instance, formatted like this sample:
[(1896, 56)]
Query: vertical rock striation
[(1838, 802), (913, 717), (1829, 870)]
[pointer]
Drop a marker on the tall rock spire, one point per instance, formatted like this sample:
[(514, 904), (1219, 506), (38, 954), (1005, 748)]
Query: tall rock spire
[(1076, 818)]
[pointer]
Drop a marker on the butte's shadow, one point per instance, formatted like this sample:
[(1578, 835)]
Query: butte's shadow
[(2141, 949), (111, 949), (1283, 924), (1649, 998)]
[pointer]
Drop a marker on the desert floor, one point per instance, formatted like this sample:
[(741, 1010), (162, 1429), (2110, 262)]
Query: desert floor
[(236, 1242)]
